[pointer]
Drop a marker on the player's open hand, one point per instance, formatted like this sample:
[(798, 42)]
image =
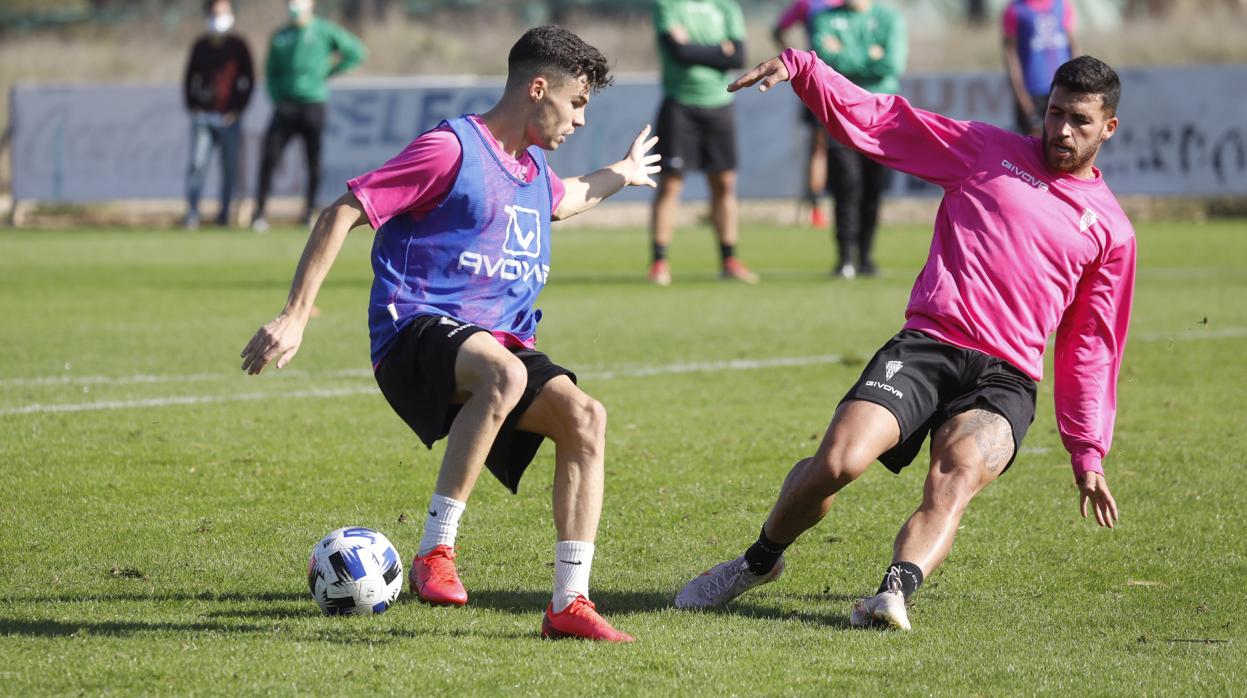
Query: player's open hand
[(769, 74), (1094, 489), (640, 163), (279, 339)]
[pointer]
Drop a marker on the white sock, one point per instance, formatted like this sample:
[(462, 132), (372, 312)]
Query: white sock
[(442, 523), (573, 560)]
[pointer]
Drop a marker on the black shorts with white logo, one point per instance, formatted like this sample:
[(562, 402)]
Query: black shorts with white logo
[(696, 138), (417, 377), (925, 382)]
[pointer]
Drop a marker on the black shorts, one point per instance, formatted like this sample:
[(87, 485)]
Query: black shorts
[(696, 138), (925, 382), (417, 377)]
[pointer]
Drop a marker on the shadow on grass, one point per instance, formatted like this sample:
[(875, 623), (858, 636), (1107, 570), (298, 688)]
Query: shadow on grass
[(233, 597), (292, 606), (364, 635), (523, 602)]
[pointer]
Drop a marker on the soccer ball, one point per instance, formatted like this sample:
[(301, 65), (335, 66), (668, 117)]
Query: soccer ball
[(354, 570)]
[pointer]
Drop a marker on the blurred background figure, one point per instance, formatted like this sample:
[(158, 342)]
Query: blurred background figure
[(1038, 39), (800, 12), (699, 42), (217, 88), (301, 58), (866, 42)]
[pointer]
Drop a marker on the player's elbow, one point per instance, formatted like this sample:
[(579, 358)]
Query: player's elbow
[(346, 211)]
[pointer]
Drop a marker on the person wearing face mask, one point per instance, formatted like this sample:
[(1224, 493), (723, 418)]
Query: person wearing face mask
[(302, 55), (216, 89)]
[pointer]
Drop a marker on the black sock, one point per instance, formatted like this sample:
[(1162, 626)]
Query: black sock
[(726, 252), (659, 251), (907, 575), (763, 554)]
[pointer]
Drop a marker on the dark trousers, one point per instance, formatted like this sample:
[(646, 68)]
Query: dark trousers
[(857, 185), (306, 120)]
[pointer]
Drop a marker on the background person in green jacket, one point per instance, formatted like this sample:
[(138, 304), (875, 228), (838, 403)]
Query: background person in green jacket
[(864, 41), (699, 42), (301, 57)]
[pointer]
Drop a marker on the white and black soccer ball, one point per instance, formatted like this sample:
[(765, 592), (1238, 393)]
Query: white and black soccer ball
[(354, 570)]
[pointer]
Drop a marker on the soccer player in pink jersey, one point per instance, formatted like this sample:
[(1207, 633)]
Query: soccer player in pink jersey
[(1028, 241), (462, 249)]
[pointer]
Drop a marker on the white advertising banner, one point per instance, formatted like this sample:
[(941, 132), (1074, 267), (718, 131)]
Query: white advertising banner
[(1183, 132)]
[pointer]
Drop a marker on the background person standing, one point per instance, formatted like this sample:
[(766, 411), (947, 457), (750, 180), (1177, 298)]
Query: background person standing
[(865, 42), (300, 61), (1038, 39), (216, 89), (800, 12), (699, 42)]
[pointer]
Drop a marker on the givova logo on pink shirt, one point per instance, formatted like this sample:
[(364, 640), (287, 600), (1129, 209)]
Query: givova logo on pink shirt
[(523, 232)]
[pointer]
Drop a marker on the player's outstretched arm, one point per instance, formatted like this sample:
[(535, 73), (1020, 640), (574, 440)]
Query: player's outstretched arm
[(768, 74), (280, 339), (1093, 489), (586, 191)]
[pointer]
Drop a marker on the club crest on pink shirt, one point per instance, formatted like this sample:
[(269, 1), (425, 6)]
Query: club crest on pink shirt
[(1088, 219)]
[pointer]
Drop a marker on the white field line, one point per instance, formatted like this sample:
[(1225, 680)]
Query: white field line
[(170, 378), (640, 371), (1192, 334), (183, 400)]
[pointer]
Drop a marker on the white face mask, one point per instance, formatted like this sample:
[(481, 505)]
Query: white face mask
[(220, 23), (299, 9)]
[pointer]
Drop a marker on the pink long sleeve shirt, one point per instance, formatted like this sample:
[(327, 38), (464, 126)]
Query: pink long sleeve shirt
[(1019, 251)]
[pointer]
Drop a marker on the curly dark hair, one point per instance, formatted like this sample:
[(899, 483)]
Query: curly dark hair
[(1092, 76), (553, 50)]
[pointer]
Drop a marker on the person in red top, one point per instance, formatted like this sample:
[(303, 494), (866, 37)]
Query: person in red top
[(216, 89), (1029, 242)]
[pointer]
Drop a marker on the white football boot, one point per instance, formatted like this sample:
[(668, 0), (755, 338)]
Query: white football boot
[(724, 582), (885, 607)]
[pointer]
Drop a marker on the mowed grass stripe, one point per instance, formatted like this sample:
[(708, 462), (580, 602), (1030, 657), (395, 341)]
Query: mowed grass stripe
[(639, 372)]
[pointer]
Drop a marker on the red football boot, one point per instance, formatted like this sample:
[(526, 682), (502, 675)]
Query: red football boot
[(434, 579), (817, 218), (579, 620)]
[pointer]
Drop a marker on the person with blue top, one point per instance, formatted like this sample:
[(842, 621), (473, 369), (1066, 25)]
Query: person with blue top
[(1038, 39), (462, 250)]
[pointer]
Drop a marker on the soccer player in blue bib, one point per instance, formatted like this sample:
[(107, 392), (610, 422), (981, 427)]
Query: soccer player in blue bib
[(462, 250)]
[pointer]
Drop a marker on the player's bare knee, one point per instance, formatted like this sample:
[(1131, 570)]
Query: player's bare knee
[(838, 467), (586, 424), (505, 383), (951, 485)]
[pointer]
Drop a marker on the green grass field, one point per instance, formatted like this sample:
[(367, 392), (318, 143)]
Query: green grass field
[(158, 506)]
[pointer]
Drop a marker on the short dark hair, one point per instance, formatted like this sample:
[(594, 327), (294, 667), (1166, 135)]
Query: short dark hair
[(1090, 75), (208, 6), (553, 49)]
